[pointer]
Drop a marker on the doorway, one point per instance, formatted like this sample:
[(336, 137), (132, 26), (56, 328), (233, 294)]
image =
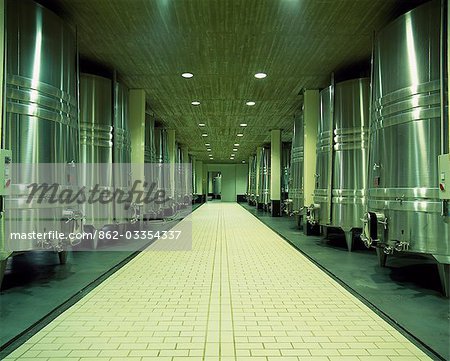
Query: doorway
[(214, 186)]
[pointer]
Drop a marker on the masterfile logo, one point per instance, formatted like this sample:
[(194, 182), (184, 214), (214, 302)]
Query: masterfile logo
[(98, 207)]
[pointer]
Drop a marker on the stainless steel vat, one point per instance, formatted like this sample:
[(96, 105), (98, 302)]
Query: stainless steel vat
[(96, 137), (264, 179), (285, 169), (251, 185), (121, 151), (349, 179), (296, 199), (162, 176), (404, 210), (150, 147), (40, 123), (193, 182), (320, 211), (180, 184)]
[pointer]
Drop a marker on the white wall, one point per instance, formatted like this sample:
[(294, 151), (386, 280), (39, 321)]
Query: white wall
[(234, 179)]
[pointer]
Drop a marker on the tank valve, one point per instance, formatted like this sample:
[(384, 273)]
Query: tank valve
[(401, 246), (136, 212), (311, 214)]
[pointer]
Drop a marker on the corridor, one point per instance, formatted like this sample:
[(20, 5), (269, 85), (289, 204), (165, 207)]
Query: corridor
[(242, 293)]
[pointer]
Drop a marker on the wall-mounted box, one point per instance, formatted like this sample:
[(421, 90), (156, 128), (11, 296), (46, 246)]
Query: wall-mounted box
[(444, 177)]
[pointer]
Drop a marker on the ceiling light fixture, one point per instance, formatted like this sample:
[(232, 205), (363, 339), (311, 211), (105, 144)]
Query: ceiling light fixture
[(208, 150), (201, 124), (250, 103), (204, 135), (236, 144), (240, 135), (195, 102), (207, 144), (260, 75), (188, 75), (243, 124), (243, 161), (234, 149)]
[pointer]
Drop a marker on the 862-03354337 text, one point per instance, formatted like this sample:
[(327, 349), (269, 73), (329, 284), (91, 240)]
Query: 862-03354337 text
[(102, 235)]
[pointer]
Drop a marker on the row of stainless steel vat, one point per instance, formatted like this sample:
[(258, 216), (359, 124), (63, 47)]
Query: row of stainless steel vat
[(43, 128), (378, 144)]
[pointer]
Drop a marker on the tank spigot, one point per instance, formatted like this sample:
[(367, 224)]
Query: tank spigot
[(388, 250)]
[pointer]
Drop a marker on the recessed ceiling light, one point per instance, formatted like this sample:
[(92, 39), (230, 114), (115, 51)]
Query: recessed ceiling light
[(208, 150), (201, 124), (240, 135), (231, 158), (211, 158), (195, 102), (243, 124), (250, 103), (188, 75), (236, 144), (260, 75), (207, 144), (234, 149), (204, 135), (243, 161)]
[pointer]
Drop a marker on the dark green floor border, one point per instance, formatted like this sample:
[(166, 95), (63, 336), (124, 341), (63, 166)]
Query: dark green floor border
[(413, 339), (24, 336)]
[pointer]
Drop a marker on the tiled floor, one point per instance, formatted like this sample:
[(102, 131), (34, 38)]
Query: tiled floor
[(242, 293)]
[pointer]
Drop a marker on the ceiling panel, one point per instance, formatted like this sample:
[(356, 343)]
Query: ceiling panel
[(298, 43)]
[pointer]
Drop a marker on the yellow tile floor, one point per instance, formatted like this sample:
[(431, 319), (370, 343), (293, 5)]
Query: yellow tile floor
[(242, 293)]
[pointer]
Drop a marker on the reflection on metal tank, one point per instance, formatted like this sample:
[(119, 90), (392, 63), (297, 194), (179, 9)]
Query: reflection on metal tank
[(285, 169), (96, 135), (180, 183), (193, 182), (295, 207), (150, 147), (264, 179), (40, 124), (405, 138), (251, 186), (162, 176), (121, 149), (320, 212), (151, 165), (351, 128)]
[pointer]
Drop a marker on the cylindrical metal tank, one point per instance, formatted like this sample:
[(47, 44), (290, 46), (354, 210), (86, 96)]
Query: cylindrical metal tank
[(264, 179), (96, 137), (296, 198), (40, 123), (320, 211), (251, 186), (351, 130), (180, 184), (152, 167), (150, 147), (285, 169), (162, 159), (121, 151), (193, 182), (405, 138)]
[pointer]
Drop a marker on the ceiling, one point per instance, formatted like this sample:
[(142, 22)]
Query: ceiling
[(298, 43)]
